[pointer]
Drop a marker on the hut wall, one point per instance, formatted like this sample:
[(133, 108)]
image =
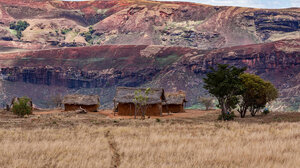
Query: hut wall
[(125, 110), (90, 108), (173, 108)]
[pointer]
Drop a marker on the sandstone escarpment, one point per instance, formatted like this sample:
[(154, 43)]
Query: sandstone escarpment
[(173, 68), (148, 23)]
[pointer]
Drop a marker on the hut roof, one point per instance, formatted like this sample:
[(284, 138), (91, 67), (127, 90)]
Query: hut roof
[(77, 99), (127, 94), (176, 97)]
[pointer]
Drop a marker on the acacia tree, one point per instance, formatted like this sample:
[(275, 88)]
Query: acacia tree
[(225, 84), (257, 93), (140, 101), (207, 102)]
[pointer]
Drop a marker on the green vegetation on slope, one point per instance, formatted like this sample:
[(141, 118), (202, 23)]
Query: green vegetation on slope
[(19, 27)]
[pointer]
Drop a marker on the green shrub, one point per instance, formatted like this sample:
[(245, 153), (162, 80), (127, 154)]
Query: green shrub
[(65, 31), (19, 27), (266, 111), (157, 120), (22, 107), (227, 116), (88, 36)]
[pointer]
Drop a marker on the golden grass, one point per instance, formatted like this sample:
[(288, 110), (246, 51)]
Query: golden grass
[(210, 144)]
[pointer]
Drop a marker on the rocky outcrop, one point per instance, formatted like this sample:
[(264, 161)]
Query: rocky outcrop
[(98, 45), (148, 23), (173, 68)]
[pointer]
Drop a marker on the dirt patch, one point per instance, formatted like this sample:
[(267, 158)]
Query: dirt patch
[(105, 118), (259, 118), (186, 114), (115, 158)]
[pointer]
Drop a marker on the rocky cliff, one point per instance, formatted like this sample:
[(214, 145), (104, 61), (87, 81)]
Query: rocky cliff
[(173, 68), (67, 24), (95, 46)]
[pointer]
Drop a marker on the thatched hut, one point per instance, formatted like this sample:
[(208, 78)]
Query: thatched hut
[(124, 101), (90, 103), (174, 102)]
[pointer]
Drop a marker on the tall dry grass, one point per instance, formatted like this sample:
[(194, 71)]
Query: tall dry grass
[(158, 145), (65, 148)]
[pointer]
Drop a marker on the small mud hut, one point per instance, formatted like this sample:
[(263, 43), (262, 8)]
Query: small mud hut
[(90, 103), (124, 101), (175, 102)]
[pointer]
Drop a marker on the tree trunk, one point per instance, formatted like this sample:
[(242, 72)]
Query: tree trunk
[(243, 111), (253, 112), (223, 107)]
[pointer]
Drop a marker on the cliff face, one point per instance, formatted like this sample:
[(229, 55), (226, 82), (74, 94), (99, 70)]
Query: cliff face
[(95, 46), (173, 68)]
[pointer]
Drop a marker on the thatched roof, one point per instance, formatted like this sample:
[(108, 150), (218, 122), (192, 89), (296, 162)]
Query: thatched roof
[(127, 94), (175, 97), (77, 99)]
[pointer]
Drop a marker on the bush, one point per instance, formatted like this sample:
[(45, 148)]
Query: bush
[(65, 31), (266, 111), (22, 107), (227, 116), (19, 27), (88, 36)]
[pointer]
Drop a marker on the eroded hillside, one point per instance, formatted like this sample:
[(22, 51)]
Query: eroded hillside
[(95, 46), (173, 68), (66, 24)]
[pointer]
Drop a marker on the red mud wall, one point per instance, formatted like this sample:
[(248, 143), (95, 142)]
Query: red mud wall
[(127, 109)]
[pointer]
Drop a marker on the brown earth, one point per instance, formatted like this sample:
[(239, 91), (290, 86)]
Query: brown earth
[(147, 23), (59, 119)]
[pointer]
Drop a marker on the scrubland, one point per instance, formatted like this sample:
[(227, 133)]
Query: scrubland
[(152, 144)]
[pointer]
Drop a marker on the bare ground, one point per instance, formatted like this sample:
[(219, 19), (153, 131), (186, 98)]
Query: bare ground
[(57, 118)]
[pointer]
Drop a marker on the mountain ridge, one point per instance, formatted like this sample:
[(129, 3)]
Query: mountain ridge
[(93, 47)]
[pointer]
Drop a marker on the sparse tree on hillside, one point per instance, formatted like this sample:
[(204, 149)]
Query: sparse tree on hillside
[(208, 102), (19, 27), (225, 84)]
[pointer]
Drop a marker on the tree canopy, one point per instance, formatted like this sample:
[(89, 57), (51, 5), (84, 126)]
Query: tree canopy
[(257, 93), (19, 27), (232, 87), (225, 84)]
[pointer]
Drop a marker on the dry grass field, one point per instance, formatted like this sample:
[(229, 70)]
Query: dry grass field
[(94, 140)]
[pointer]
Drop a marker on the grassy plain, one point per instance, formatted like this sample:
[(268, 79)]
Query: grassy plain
[(95, 140)]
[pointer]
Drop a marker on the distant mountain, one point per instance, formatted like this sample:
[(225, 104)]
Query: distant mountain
[(92, 47), (60, 23)]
